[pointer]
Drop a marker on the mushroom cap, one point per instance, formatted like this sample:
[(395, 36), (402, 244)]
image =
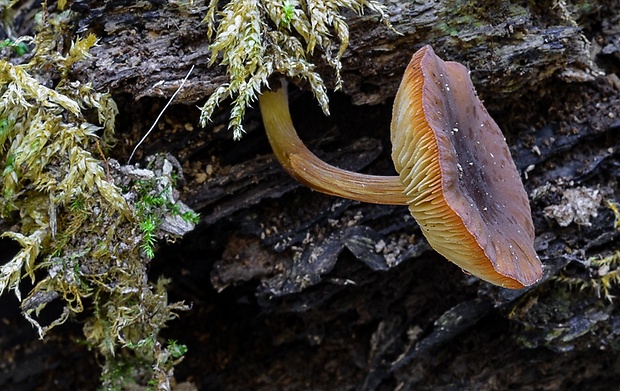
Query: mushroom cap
[(466, 193)]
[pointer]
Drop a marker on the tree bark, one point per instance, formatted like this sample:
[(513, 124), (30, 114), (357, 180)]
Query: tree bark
[(297, 290), (146, 49)]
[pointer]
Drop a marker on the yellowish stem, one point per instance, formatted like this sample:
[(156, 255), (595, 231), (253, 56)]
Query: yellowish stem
[(313, 172)]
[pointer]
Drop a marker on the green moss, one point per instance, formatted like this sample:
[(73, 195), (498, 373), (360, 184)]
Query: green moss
[(464, 19), (20, 48), (87, 226), (255, 39), (603, 270)]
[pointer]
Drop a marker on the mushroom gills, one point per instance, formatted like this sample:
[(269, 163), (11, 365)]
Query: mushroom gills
[(475, 201)]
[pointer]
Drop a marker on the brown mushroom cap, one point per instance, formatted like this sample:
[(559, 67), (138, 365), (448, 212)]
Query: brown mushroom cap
[(465, 189)]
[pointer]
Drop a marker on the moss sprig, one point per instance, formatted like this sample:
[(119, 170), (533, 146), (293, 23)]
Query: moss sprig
[(45, 142), (603, 277), (75, 213), (257, 38)]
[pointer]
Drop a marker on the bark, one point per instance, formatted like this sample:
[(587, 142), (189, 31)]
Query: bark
[(147, 48), (301, 291)]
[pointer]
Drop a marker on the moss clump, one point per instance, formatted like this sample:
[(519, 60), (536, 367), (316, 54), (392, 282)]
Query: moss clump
[(257, 38), (602, 272), (79, 218)]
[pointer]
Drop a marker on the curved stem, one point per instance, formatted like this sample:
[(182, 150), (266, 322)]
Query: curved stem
[(313, 172)]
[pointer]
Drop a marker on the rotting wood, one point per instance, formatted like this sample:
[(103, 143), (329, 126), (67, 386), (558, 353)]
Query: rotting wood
[(349, 324)]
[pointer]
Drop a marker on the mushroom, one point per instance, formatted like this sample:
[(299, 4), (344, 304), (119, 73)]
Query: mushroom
[(455, 172), (313, 172)]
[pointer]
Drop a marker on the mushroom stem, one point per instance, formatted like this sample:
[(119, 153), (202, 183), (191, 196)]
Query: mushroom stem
[(313, 172)]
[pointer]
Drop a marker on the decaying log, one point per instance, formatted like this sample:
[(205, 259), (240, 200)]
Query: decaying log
[(300, 291), (147, 48)]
